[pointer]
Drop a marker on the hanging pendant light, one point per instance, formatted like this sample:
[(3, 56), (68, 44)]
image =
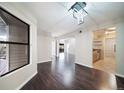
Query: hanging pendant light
[(78, 11)]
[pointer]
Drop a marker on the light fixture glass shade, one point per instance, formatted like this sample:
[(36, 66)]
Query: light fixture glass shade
[(78, 11), (79, 15)]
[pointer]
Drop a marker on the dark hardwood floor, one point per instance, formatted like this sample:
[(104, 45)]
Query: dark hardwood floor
[(62, 74)]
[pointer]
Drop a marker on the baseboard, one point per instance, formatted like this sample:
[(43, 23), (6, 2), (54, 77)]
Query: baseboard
[(44, 61), (26, 81), (119, 75), (83, 65)]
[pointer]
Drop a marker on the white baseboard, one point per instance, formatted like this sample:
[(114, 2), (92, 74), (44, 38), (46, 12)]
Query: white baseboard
[(119, 75), (83, 64), (44, 61), (26, 81)]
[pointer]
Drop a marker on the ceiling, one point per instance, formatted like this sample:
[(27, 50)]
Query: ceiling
[(54, 17)]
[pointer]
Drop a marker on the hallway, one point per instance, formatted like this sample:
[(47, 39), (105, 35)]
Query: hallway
[(62, 73), (54, 45)]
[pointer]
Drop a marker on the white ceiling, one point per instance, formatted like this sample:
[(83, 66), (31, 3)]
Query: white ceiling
[(55, 18)]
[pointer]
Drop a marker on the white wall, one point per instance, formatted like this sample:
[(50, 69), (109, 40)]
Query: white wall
[(16, 79), (120, 48), (84, 48), (69, 46), (53, 47), (44, 47), (72, 46), (57, 47), (66, 46)]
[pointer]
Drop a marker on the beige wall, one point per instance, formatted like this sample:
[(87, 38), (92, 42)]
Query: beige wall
[(16, 79)]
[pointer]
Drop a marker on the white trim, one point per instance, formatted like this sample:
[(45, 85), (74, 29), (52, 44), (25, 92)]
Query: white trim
[(16, 71), (120, 75), (44, 61), (83, 65), (26, 81)]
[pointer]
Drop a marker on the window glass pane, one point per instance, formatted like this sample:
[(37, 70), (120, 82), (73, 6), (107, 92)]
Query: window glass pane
[(3, 30), (12, 29), (12, 56), (18, 56), (4, 58)]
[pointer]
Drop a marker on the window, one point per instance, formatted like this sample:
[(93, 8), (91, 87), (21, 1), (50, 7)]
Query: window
[(14, 43)]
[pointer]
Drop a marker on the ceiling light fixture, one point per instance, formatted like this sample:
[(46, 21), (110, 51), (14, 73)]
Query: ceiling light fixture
[(78, 11)]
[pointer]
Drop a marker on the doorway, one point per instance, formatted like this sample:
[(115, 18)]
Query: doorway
[(61, 47), (104, 49), (64, 49)]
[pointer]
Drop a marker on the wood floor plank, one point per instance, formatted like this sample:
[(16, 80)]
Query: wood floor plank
[(62, 74)]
